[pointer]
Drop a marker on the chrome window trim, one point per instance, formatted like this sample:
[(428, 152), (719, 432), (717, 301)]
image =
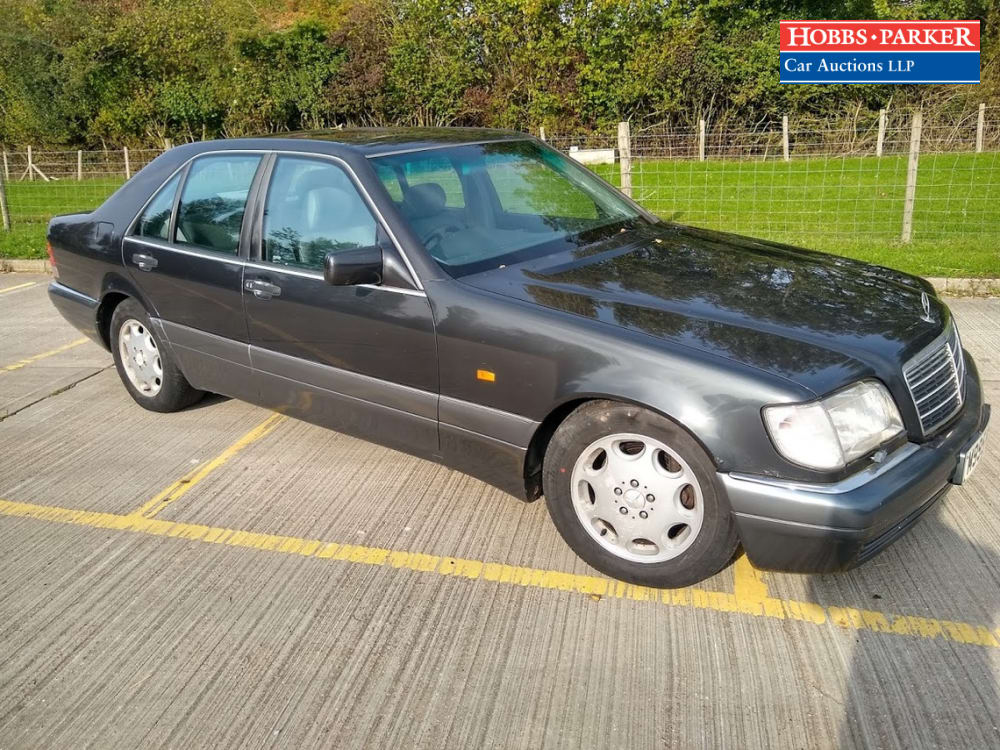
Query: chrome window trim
[(279, 268), (305, 274), (192, 251), (438, 146), (849, 484), (179, 199), (131, 227), (275, 267), (366, 196)]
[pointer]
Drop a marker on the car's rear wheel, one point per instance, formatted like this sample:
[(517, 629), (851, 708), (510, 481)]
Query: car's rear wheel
[(144, 366), (635, 496)]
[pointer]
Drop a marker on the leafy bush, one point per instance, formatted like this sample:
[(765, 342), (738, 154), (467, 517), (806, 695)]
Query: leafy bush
[(130, 72)]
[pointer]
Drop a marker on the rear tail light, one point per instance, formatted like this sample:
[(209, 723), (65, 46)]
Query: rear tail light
[(52, 260)]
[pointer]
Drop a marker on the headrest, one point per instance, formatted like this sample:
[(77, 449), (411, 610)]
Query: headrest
[(327, 204), (421, 201)]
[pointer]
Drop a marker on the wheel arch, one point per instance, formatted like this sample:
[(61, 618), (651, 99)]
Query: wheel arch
[(115, 290), (534, 458)]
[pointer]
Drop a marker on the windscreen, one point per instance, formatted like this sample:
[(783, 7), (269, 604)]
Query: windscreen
[(480, 206)]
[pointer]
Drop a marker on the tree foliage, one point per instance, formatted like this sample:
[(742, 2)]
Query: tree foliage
[(137, 71)]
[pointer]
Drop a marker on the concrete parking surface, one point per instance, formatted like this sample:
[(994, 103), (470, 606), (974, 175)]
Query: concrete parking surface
[(226, 576)]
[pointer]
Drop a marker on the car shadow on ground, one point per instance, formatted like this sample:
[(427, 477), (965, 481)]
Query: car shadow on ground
[(209, 400), (907, 692)]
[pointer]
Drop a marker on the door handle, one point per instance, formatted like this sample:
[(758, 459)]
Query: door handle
[(144, 262), (262, 289)]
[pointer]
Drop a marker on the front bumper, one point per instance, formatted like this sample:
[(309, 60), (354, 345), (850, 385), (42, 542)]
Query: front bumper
[(821, 528)]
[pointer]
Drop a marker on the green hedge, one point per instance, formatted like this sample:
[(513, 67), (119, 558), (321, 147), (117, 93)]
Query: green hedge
[(98, 72)]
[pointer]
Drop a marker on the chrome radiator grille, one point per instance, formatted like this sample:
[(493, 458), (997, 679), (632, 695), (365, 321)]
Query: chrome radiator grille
[(936, 379)]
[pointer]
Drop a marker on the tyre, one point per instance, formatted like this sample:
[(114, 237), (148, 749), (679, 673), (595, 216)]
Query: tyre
[(635, 496), (146, 368)]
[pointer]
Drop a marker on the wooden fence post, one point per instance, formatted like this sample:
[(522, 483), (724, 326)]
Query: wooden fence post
[(4, 208), (911, 177), (701, 140), (784, 136), (980, 124), (541, 132), (881, 133), (79, 166), (6, 166), (128, 167), (31, 166), (625, 157)]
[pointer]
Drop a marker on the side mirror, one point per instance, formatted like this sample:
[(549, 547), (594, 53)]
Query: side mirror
[(362, 265)]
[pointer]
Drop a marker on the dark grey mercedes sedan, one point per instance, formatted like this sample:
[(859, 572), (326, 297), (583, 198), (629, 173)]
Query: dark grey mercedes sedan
[(475, 298)]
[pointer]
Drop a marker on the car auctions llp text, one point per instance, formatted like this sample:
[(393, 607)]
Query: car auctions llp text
[(879, 51)]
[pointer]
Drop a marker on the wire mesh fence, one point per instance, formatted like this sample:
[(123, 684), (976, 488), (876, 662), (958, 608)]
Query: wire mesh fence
[(870, 183), (845, 184), (42, 183)]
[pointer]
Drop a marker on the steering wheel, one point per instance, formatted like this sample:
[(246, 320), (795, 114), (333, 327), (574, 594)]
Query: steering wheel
[(434, 238)]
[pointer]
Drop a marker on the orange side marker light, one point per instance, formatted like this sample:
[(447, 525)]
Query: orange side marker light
[(488, 375)]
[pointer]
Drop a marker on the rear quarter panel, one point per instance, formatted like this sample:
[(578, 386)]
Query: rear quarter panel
[(87, 247)]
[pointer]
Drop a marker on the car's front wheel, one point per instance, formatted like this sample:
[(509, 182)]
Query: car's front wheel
[(634, 495), (149, 373)]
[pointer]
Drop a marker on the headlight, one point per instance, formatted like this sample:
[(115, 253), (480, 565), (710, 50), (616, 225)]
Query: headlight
[(832, 432)]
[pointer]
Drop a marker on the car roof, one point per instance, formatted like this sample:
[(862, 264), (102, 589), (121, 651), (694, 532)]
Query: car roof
[(380, 141)]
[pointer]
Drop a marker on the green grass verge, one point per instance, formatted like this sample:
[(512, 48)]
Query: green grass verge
[(32, 204), (23, 241), (848, 206)]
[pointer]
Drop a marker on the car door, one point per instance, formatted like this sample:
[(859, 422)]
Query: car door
[(186, 253), (359, 359)]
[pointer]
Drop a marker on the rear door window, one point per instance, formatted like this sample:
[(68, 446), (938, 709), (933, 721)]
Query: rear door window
[(154, 222), (214, 199)]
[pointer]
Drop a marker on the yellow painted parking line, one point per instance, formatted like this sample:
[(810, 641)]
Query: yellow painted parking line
[(28, 360), (179, 488), (748, 581), (18, 286), (740, 602)]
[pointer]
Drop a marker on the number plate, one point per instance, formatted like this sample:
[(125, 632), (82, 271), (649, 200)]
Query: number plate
[(968, 459)]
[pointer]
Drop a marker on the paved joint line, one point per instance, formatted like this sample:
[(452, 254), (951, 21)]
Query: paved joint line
[(179, 488), (7, 414), (846, 618), (28, 360), (14, 288)]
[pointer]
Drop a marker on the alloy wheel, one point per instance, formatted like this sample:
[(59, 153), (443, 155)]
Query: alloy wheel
[(637, 497), (140, 357)]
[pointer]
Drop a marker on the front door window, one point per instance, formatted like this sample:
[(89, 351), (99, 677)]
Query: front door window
[(312, 209)]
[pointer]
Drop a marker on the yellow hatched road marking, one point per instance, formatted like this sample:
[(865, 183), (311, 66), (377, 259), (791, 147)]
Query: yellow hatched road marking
[(745, 601), (28, 360), (14, 288), (179, 488)]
